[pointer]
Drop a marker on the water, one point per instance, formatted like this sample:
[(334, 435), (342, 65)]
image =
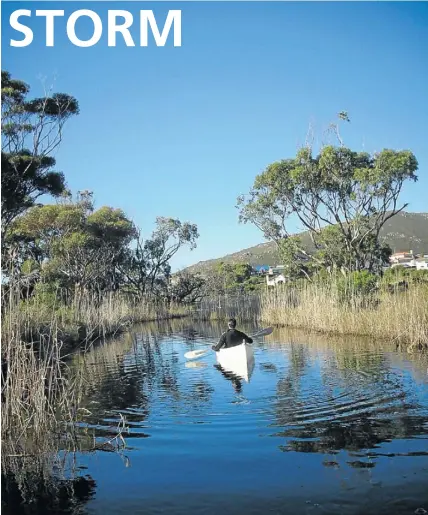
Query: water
[(324, 426)]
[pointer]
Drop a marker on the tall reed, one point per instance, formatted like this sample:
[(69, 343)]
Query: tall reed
[(244, 307), (401, 317), (40, 398), (83, 317)]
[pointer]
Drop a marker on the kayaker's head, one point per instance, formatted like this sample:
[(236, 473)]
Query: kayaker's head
[(232, 323)]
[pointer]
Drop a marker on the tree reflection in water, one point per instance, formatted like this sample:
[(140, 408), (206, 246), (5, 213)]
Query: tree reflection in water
[(328, 396), (34, 494), (371, 405)]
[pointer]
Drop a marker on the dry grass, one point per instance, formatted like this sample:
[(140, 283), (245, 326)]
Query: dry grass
[(85, 317), (244, 307), (40, 398), (36, 392), (401, 317)]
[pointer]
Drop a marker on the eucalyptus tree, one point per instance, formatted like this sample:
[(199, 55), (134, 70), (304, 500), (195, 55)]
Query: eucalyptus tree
[(146, 266), (341, 197), (32, 130)]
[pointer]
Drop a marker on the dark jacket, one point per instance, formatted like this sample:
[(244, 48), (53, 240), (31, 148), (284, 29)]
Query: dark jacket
[(231, 338)]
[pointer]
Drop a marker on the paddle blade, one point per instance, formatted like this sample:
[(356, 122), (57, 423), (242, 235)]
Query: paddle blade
[(195, 364), (193, 354), (263, 332)]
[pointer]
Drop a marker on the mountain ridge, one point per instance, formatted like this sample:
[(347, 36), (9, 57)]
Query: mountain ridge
[(404, 231)]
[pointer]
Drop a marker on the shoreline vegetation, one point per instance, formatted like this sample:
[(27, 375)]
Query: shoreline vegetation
[(40, 396), (393, 307), (401, 319)]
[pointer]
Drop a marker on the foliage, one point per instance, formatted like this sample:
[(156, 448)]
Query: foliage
[(186, 288), (73, 244), (401, 274), (342, 197), (295, 262), (77, 247), (360, 283), (31, 131), (232, 278), (146, 268)]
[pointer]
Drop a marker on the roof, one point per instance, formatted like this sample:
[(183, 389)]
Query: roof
[(261, 267)]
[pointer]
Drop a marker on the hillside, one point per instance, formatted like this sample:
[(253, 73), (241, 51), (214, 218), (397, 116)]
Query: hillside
[(405, 231)]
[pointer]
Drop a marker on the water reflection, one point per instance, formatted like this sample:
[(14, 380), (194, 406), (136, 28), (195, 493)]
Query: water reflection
[(330, 395), (352, 399), (314, 405), (230, 376), (31, 493)]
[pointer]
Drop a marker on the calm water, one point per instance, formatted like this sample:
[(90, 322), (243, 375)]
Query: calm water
[(324, 426)]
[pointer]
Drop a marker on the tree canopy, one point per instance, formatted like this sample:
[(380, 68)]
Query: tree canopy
[(31, 130), (70, 244), (340, 196)]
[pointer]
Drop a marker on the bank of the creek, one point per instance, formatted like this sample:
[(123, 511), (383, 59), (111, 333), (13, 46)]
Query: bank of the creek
[(325, 425)]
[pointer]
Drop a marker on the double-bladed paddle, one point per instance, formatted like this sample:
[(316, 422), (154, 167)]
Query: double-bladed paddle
[(194, 354)]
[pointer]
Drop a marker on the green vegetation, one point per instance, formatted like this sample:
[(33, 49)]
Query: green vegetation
[(335, 281), (404, 231), (226, 278), (31, 131), (360, 303), (71, 272), (342, 197), (59, 257)]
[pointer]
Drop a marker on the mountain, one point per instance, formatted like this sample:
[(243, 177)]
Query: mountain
[(404, 231)]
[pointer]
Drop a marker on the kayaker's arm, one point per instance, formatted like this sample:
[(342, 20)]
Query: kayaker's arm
[(220, 343), (247, 338)]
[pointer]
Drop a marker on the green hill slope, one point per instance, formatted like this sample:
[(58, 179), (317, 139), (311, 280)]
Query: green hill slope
[(405, 231)]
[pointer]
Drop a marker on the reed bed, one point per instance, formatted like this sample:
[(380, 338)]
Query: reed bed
[(40, 398), (401, 317), (397, 315), (246, 307), (82, 318)]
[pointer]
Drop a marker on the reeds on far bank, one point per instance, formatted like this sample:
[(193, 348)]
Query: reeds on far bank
[(81, 318), (401, 317)]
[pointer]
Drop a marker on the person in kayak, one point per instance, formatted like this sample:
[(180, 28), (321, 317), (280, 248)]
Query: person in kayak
[(231, 337)]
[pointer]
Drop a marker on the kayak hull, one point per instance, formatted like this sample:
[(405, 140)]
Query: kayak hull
[(239, 360)]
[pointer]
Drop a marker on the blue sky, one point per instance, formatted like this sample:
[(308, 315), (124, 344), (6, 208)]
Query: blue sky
[(183, 131)]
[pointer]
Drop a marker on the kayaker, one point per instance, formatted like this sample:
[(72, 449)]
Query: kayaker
[(231, 337)]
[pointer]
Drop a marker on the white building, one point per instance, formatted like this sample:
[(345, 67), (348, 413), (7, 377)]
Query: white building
[(276, 270), (275, 275), (274, 280), (400, 257), (421, 263)]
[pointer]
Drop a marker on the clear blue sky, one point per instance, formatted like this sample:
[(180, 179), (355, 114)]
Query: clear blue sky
[(182, 132)]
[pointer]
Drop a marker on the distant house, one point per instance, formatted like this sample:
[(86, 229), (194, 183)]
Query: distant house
[(276, 270), (402, 256), (261, 269), (274, 280), (422, 263), (275, 275), (409, 260)]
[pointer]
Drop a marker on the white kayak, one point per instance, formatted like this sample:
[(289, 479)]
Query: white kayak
[(239, 360)]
